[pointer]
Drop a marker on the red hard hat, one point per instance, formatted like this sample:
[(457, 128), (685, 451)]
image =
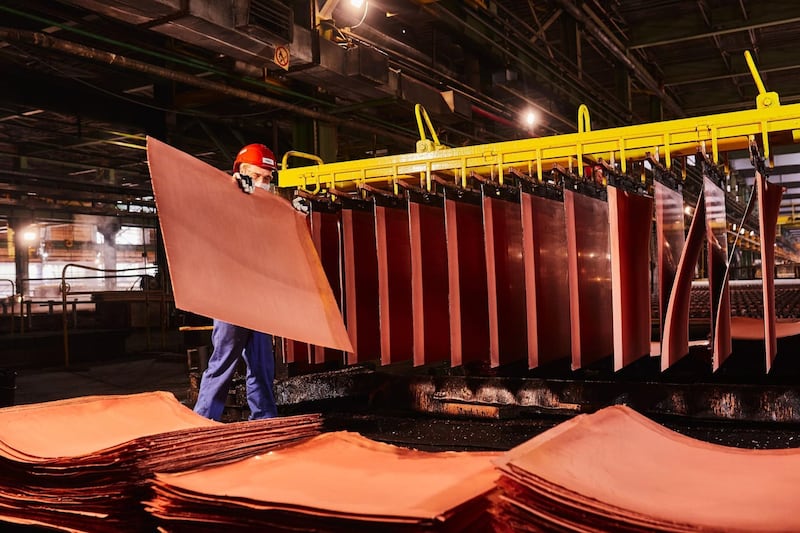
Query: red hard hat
[(255, 154)]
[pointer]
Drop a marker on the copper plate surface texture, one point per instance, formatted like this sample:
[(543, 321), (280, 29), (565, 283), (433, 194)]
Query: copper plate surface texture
[(546, 279), (670, 240), (346, 475), (617, 470), (469, 300), (505, 272), (429, 283), (246, 259), (589, 253), (325, 234), (394, 284), (718, 286), (769, 203), (361, 284), (630, 217), (675, 340)]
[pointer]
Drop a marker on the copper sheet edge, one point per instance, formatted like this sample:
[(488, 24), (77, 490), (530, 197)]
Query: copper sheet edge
[(769, 201), (675, 341)]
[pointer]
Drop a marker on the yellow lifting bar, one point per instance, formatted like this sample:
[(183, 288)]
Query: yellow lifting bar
[(672, 138)]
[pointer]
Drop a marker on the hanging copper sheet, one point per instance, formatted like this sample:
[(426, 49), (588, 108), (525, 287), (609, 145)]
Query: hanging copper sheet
[(670, 240), (505, 273), (616, 470), (394, 279), (769, 202), (247, 259), (630, 220), (719, 290), (429, 283), (326, 235), (546, 281), (466, 261), (675, 340), (589, 254), (360, 264)]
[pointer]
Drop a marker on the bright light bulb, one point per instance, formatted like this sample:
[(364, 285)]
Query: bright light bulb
[(29, 235), (356, 3), (530, 118)]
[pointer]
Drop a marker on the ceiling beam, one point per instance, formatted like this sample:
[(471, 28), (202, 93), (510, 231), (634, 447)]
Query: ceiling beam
[(683, 28)]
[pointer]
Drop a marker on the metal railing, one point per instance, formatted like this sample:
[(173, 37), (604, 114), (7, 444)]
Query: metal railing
[(65, 290)]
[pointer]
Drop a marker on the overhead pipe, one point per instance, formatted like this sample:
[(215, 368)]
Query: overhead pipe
[(594, 26), (45, 41)]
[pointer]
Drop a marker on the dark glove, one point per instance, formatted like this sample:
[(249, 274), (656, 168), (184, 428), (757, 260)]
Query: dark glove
[(245, 183)]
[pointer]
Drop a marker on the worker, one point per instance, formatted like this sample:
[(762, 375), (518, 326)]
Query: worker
[(253, 169)]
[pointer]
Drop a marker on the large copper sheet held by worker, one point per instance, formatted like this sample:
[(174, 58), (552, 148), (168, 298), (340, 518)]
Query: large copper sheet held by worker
[(360, 264), (616, 470), (247, 259), (544, 249), (429, 278), (589, 254), (394, 279), (466, 261), (334, 482), (326, 235), (630, 217), (670, 240), (505, 273), (675, 339), (719, 288), (769, 202)]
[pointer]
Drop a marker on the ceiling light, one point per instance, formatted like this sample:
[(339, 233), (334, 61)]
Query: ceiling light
[(356, 3), (530, 118)]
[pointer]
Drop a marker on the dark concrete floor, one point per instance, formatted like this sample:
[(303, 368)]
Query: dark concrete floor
[(169, 372)]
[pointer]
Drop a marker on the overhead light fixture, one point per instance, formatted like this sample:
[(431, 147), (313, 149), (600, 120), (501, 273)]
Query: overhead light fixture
[(530, 118)]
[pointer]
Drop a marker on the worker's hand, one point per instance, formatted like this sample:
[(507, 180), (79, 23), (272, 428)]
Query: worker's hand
[(301, 204), (245, 183)]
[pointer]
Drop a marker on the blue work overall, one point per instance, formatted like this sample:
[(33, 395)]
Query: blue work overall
[(230, 343)]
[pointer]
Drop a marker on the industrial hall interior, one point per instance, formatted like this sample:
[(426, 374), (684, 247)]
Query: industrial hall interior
[(399, 265)]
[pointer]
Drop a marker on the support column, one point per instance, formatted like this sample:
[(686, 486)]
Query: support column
[(21, 257), (109, 229)]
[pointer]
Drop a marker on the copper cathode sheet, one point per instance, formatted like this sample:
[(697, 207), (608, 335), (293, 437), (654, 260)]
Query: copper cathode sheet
[(326, 235), (546, 280), (360, 262), (769, 203), (505, 273), (429, 283), (466, 262), (719, 288), (247, 259), (746, 328), (589, 253), (630, 217), (616, 470), (394, 282), (675, 340), (670, 240)]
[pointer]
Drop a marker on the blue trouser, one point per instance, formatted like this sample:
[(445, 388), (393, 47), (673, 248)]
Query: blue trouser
[(231, 342)]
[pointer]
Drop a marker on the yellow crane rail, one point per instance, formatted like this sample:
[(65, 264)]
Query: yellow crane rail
[(770, 122)]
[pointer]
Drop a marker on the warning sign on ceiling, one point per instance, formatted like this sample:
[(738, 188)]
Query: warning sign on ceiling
[(282, 57)]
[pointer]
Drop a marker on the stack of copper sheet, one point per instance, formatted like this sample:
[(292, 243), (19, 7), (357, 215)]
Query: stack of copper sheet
[(82, 464), (616, 470), (334, 482)]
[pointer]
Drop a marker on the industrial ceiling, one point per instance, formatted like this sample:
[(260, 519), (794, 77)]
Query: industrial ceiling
[(85, 80)]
